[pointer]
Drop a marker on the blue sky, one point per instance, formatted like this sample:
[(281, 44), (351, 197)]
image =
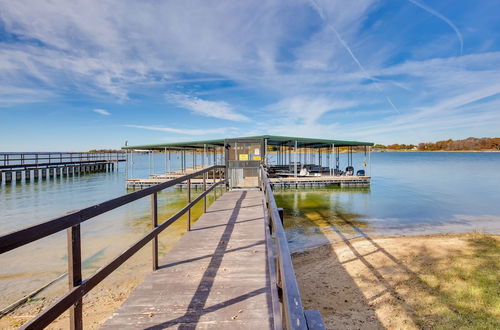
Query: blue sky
[(77, 75)]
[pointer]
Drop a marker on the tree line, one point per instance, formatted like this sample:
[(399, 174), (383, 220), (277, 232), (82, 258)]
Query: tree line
[(470, 143)]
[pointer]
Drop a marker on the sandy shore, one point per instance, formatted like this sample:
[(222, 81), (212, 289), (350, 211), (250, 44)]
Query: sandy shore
[(360, 283), (416, 282), (98, 305)]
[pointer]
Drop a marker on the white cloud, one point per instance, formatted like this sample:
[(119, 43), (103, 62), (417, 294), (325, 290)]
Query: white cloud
[(215, 109), (102, 112), (183, 130), (307, 109)]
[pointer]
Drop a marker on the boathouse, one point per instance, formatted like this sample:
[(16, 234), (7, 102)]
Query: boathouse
[(290, 161)]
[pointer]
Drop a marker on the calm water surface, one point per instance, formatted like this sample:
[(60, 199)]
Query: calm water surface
[(411, 193)]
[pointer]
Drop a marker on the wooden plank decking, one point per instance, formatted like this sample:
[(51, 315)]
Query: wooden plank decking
[(216, 277)]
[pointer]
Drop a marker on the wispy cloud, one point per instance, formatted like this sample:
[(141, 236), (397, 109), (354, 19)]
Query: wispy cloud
[(351, 53), (307, 109), (185, 131), (102, 112), (216, 109), (444, 19)]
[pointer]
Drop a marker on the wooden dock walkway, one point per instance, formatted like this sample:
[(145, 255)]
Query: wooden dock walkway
[(216, 277)]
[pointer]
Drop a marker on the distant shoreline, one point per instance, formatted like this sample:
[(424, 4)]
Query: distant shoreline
[(423, 151)]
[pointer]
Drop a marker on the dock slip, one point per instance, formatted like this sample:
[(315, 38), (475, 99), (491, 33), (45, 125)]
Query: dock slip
[(231, 270)]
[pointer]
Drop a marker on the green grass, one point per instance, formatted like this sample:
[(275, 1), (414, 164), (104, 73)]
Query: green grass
[(462, 291)]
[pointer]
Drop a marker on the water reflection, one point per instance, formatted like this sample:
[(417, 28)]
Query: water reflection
[(311, 214)]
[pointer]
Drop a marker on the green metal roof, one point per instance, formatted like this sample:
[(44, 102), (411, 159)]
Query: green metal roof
[(271, 140)]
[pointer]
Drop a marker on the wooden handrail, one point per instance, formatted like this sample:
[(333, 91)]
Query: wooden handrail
[(73, 298), (293, 314)]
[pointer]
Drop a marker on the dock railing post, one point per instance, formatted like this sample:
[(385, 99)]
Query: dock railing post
[(154, 224), (220, 178), (215, 190), (189, 201), (75, 274), (204, 190)]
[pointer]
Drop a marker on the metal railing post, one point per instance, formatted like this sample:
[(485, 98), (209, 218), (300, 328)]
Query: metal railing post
[(215, 190), (204, 190), (189, 201), (75, 274), (154, 224), (220, 178)]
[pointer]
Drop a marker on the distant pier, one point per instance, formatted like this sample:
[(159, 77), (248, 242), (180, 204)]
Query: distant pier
[(32, 166)]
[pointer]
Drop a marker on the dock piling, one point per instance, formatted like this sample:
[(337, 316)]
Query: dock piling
[(8, 177)]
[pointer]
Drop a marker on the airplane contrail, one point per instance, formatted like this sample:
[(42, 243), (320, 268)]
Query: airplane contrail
[(349, 50), (444, 19)]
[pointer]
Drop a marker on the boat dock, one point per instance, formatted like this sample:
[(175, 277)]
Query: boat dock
[(32, 166), (291, 162)]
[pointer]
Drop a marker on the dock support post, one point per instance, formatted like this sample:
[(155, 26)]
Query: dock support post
[(189, 201), (281, 213), (112, 166), (75, 274), (204, 189), (154, 224), (8, 177), (1, 176), (18, 176), (44, 173), (27, 175), (35, 174)]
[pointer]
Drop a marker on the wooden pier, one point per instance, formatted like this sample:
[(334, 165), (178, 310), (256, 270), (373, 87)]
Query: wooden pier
[(215, 277), (319, 181), (32, 166)]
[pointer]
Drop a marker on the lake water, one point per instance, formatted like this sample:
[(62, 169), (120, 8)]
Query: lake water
[(411, 193)]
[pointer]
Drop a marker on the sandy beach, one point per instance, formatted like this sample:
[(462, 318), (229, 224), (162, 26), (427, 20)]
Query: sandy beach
[(98, 305), (415, 282), (363, 283)]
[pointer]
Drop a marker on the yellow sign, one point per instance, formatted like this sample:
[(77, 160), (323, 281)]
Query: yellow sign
[(256, 157), (243, 156)]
